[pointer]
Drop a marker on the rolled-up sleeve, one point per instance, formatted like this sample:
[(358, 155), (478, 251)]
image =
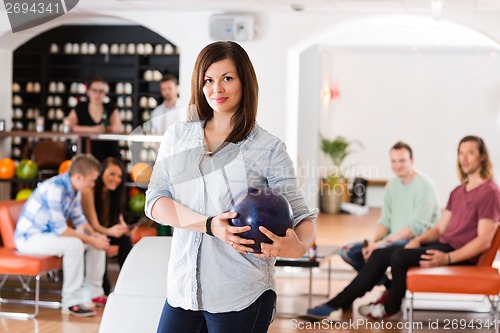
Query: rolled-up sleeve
[(281, 176)]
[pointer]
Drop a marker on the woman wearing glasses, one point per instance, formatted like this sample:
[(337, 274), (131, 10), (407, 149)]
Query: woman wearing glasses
[(97, 117)]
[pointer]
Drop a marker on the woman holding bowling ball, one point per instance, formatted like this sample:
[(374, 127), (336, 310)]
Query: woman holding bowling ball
[(216, 281)]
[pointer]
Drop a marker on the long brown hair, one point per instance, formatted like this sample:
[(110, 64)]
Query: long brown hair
[(486, 166), (117, 196), (244, 118)]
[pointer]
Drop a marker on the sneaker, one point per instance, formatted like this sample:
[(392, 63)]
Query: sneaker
[(376, 311), (100, 301), (78, 311), (324, 311)]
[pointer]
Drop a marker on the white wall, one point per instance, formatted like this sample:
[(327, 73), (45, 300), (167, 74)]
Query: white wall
[(430, 100), (311, 80)]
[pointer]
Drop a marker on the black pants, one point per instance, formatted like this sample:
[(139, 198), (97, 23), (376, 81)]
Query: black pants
[(124, 246), (400, 260)]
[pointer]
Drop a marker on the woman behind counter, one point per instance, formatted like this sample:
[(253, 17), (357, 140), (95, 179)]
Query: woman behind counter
[(96, 117), (103, 206)]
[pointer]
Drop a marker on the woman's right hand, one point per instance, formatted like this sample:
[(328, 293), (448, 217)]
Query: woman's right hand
[(117, 230), (224, 231), (98, 129)]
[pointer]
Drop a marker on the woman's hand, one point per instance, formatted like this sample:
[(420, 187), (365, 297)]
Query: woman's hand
[(288, 246), (117, 230), (227, 233), (98, 129)]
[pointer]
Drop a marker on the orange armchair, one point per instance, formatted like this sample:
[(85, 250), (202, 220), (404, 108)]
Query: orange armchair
[(481, 279), (12, 262)]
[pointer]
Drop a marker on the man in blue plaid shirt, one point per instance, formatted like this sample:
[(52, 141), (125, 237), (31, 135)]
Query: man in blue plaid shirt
[(52, 223)]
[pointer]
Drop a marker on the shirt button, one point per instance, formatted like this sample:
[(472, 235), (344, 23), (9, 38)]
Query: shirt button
[(197, 239), (200, 210)]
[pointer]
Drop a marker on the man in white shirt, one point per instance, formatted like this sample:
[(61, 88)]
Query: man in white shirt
[(169, 111)]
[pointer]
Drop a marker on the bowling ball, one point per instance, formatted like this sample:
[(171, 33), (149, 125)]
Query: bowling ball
[(133, 191), (27, 169), (7, 168), (24, 194), (261, 206), (64, 166), (141, 172), (137, 202)]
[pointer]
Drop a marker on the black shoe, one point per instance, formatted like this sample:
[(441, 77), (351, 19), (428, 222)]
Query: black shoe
[(78, 311)]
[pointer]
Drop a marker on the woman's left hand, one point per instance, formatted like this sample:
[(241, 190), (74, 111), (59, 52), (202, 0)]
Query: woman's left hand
[(288, 246)]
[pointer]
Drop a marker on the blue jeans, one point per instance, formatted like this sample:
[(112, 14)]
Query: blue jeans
[(256, 318)]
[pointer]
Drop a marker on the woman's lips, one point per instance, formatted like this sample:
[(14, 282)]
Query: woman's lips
[(219, 99)]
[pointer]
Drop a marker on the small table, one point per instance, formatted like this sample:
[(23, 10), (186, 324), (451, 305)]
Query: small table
[(324, 253)]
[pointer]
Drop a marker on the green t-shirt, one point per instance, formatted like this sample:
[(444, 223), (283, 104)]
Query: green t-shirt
[(414, 205)]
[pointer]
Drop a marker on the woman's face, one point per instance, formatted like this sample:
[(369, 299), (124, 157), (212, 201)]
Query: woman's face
[(97, 92), (112, 177), (222, 87)]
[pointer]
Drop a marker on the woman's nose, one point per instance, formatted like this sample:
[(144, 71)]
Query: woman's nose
[(218, 87)]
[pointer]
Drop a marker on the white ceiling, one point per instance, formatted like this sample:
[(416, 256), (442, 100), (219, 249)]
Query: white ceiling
[(403, 32), (336, 6)]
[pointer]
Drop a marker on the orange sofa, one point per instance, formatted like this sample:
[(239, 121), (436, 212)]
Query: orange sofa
[(11, 262), (481, 279)]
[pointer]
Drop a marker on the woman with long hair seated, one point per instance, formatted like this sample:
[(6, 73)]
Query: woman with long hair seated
[(103, 206)]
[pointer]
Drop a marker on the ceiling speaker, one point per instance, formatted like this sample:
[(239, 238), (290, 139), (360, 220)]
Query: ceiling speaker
[(237, 27)]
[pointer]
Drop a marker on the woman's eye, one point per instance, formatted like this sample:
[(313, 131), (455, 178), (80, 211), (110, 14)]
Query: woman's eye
[(228, 78), (208, 81)]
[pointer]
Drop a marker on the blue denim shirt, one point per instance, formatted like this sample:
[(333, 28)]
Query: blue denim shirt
[(48, 208), (204, 272)]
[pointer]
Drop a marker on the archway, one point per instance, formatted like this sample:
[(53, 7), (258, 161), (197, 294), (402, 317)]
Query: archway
[(446, 53)]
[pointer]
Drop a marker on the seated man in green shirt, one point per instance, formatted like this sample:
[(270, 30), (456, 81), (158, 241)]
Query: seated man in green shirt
[(410, 208), (464, 231)]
